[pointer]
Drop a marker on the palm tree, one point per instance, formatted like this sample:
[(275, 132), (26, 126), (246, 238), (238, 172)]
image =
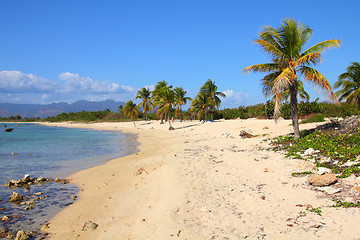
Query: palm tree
[(285, 45), (211, 91), (131, 110), (180, 100), (157, 93), (146, 104), (200, 104), (349, 81), (165, 101)]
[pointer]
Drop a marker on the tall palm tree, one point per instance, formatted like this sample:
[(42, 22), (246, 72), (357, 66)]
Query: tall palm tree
[(160, 87), (165, 101), (349, 81), (130, 110), (201, 104), (146, 104), (285, 45), (180, 100), (211, 90)]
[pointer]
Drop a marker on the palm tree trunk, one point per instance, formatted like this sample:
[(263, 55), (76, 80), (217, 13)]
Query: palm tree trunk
[(294, 111), (134, 123), (180, 114), (358, 103), (162, 118)]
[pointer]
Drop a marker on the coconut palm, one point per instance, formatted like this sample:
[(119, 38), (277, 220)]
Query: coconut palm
[(289, 61), (211, 91), (180, 100), (165, 100), (160, 87), (146, 104), (349, 81), (201, 104), (130, 110), (267, 83)]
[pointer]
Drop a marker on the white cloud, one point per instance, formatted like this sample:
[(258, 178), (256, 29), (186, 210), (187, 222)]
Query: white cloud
[(234, 99), (18, 82), (18, 87)]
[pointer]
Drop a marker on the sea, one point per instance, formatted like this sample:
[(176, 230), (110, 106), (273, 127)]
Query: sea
[(50, 152)]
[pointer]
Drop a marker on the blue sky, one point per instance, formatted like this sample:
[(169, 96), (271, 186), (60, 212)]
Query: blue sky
[(64, 51)]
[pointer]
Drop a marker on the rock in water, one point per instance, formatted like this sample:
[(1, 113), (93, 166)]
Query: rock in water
[(89, 225), (322, 180), (21, 235), (16, 198), (5, 219)]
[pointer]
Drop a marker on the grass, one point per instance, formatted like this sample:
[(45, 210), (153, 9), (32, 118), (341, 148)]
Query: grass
[(314, 117)]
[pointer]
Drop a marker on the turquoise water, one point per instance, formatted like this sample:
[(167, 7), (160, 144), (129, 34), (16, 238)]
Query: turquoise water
[(51, 152)]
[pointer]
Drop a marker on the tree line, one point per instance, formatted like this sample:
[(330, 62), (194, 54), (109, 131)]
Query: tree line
[(165, 97)]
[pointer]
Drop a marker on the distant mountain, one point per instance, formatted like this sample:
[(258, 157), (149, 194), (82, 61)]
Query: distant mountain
[(53, 109)]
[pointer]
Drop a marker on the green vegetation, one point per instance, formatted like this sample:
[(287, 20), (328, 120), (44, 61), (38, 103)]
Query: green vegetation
[(339, 203), (338, 146), (314, 117), (286, 45), (315, 210)]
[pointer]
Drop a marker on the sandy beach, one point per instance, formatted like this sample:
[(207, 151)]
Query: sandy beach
[(201, 181)]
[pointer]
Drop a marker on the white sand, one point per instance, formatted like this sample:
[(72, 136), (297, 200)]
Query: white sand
[(192, 183)]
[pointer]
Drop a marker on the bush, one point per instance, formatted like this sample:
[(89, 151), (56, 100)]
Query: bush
[(314, 117), (233, 113)]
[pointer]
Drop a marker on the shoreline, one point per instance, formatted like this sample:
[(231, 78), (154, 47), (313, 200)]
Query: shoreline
[(200, 181)]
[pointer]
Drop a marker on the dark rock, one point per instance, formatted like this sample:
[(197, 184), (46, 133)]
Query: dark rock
[(171, 128), (8, 129), (21, 235), (16, 198), (5, 219), (5, 233), (322, 180)]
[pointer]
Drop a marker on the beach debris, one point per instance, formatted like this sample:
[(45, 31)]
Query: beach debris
[(171, 128), (5, 233), (73, 197), (322, 180), (244, 134), (26, 181), (139, 171), (89, 225), (16, 198), (226, 135)]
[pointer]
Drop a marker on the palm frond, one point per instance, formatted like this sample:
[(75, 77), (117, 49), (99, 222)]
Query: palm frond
[(264, 67), (319, 81), (322, 46)]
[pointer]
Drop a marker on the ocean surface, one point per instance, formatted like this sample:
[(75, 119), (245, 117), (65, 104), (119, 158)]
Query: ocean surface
[(51, 152)]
